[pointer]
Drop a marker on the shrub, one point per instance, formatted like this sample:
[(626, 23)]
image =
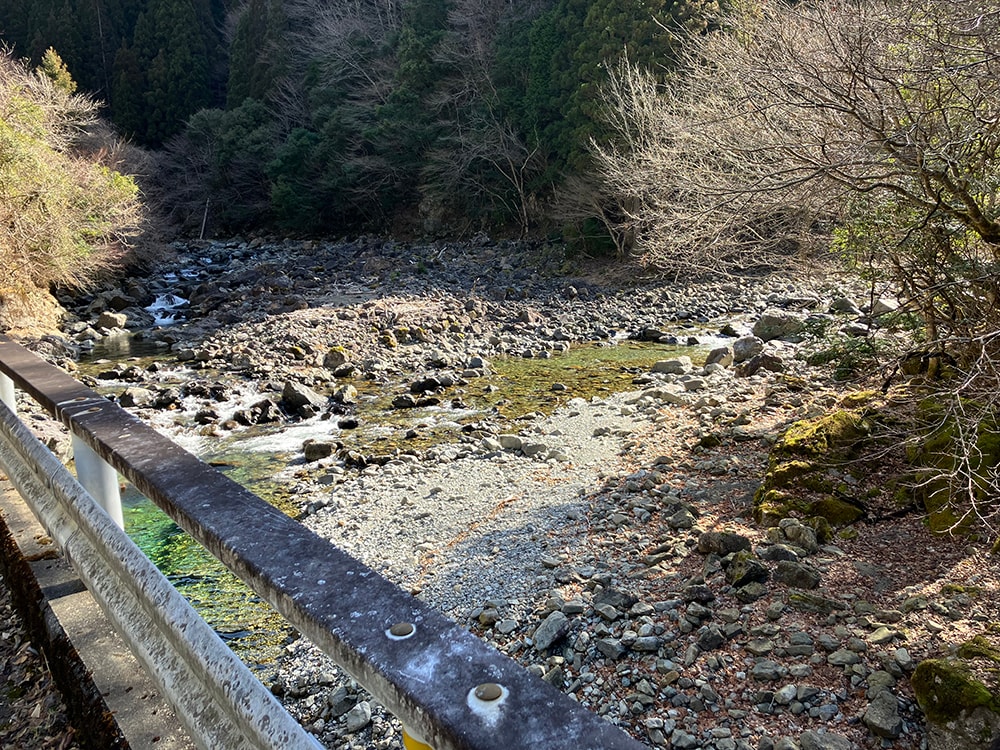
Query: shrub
[(67, 214)]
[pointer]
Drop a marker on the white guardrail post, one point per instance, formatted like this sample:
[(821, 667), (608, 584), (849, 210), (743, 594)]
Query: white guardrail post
[(99, 479), (7, 392)]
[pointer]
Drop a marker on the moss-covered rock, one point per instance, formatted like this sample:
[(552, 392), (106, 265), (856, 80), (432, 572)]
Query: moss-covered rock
[(771, 505), (945, 689), (836, 512), (962, 710), (830, 438), (800, 462)]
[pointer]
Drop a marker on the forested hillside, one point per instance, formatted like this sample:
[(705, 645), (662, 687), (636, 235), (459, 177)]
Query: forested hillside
[(308, 115)]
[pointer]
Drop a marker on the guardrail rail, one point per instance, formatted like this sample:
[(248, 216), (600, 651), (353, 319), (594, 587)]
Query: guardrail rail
[(449, 689)]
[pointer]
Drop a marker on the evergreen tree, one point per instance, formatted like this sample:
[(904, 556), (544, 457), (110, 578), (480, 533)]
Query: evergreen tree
[(550, 72), (127, 87), (55, 70), (171, 77), (14, 24), (407, 125), (256, 55)]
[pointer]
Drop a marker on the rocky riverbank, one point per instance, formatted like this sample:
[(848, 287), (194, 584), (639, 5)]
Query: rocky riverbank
[(609, 543)]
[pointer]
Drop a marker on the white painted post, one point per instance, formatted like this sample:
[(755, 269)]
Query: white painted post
[(7, 392), (99, 479)]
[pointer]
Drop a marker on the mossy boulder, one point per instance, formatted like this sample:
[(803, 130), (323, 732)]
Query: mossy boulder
[(830, 438), (800, 462), (836, 512), (770, 505), (962, 710)]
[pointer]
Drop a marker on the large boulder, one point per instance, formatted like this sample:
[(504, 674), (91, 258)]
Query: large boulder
[(301, 399), (778, 324), (962, 711), (746, 347)]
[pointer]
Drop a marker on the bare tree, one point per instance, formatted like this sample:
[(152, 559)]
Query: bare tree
[(776, 120), (871, 127)]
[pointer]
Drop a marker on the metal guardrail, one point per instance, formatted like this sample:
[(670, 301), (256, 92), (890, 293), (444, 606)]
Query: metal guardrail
[(449, 689)]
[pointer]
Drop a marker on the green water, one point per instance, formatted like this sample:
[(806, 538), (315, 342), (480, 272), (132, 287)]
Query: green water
[(516, 387), (246, 623)]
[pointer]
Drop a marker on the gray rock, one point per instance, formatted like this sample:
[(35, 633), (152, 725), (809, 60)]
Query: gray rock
[(722, 355), (297, 396), (698, 592), (878, 682), (722, 543), (746, 347), (882, 635), (882, 716), (618, 598), (710, 638), (759, 646), (903, 659), (683, 741), (811, 740), (744, 569), (647, 643), (843, 658), (314, 450), (766, 670), (334, 358), (607, 612), (799, 534), (884, 306), (796, 574), (346, 394), (109, 320), (262, 412), (612, 648), (341, 701), (763, 361), (553, 628), (509, 442), (682, 519), (845, 306), (786, 695), (777, 324), (137, 397), (534, 449), (806, 601), (751, 592), (777, 552), (358, 717), (677, 366)]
